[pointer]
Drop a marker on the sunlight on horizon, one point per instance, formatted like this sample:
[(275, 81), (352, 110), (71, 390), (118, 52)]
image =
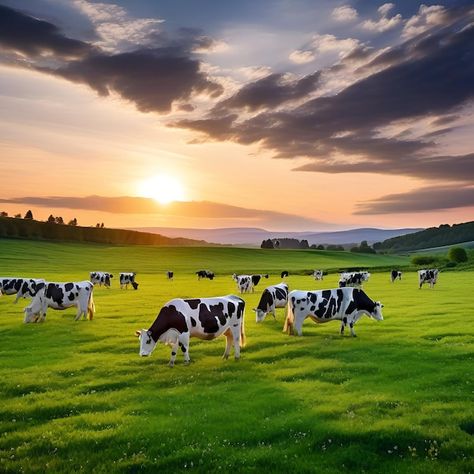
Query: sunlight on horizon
[(163, 188)]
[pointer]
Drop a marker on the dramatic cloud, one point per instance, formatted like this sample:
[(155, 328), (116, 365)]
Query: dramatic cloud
[(425, 199), (427, 17), (384, 23), (302, 57), (32, 37), (191, 209), (270, 91), (344, 14)]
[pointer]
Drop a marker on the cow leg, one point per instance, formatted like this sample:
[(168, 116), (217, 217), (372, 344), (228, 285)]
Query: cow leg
[(184, 344), (236, 337), (174, 349), (299, 325), (351, 325), (229, 339), (78, 313), (17, 298), (343, 325)]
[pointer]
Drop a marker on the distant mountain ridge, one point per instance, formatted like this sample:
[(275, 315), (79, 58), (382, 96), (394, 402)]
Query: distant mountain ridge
[(254, 236)]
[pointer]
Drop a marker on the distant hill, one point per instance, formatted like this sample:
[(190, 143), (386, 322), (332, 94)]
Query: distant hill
[(17, 228), (254, 236), (429, 238)]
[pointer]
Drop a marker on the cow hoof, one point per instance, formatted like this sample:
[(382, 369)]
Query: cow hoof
[(187, 362), (171, 365), (225, 356)]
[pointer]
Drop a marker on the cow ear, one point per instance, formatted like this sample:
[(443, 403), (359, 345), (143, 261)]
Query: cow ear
[(137, 333)]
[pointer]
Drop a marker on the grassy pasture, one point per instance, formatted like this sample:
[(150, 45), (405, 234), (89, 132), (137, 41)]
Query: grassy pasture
[(76, 395)]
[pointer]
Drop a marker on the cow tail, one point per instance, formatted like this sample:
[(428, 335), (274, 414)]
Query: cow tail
[(289, 319), (91, 306), (242, 328)]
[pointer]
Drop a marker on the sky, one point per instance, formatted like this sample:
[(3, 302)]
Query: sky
[(284, 115)]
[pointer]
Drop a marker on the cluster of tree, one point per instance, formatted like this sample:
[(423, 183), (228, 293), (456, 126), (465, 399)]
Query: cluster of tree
[(36, 230), (317, 247), (284, 243), (51, 219), (364, 247), (428, 238)]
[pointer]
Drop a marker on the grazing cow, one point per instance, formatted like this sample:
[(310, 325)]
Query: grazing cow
[(22, 287), (394, 274), (344, 304), (247, 283), (273, 297), (61, 296), (318, 274), (170, 275), (428, 276), (101, 278), (128, 279), (284, 274), (353, 279), (205, 274), (205, 318)]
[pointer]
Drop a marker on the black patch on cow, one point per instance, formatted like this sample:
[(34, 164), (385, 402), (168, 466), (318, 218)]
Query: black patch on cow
[(25, 288), (71, 296), (193, 322), (69, 286), (168, 318), (321, 310), (230, 308), (55, 293), (266, 301), (312, 297), (173, 353), (18, 284), (281, 294), (360, 302), (344, 319), (312, 308), (340, 297), (255, 279), (183, 347), (208, 315), (240, 308), (193, 303), (330, 308)]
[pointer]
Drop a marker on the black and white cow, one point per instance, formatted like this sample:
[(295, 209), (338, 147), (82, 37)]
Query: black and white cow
[(428, 276), (394, 274), (61, 296), (205, 274), (128, 279), (169, 275), (205, 318), (275, 296), (344, 304), (21, 287), (101, 278), (353, 279), (318, 274), (247, 283), (284, 274)]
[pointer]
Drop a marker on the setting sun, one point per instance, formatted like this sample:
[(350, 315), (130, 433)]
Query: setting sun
[(162, 188)]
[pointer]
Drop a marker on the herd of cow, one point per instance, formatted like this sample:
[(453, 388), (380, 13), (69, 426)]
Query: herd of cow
[(209, 318)]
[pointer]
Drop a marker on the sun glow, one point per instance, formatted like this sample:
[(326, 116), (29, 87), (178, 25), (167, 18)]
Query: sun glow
[(162, 188)]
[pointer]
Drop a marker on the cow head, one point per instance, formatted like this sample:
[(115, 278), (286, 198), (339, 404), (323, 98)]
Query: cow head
[(259, 315), (377, 311), (147, 344), (234, 276), (135, 285)]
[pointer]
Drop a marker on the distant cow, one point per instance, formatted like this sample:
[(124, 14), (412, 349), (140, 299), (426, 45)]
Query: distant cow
[(284, 274), (169, 275), (344, 304), (61, 296), (318, 274), (21, 287), (205, 274), (394, 274), (128, 279), (273, 297), (428, 276), (101, 278), (205, 318), (353, 278), (247, 283)]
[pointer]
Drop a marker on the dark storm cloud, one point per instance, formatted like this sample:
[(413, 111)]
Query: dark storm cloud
[(153, 79), (25, 34), (141, 205), (420, 200), (432, 75), (270, 91)]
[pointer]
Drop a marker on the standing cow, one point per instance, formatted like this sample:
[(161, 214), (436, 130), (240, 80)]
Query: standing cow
[(273, 297), (284, 274), (344, 304), (169, 275), (247, 283), (394, 275), (205, 318), (353, 279), (205, 274), (318, 274), (61, 296), (21, 287), (101, 278), (428, 276), (128, 279)]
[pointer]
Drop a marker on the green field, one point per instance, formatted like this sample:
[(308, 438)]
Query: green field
[(76, 396)]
